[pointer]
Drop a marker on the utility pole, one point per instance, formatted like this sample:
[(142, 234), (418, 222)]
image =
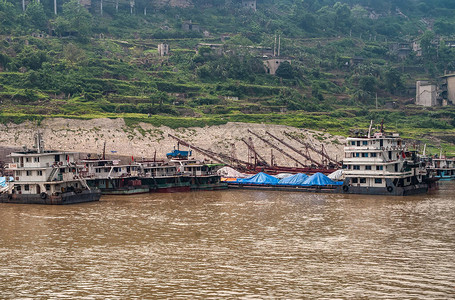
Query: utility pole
[(55, 7), (131, 6), (279, 45), (23, 5), (116, 6), (101, 7), (274, 47)]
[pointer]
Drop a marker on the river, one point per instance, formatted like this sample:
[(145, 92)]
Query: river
[(232, 244)]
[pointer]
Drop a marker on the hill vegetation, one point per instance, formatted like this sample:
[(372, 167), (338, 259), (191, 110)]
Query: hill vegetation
[(99, 59)]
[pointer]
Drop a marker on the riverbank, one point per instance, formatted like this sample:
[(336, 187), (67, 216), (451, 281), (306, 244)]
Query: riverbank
[(144, 140)]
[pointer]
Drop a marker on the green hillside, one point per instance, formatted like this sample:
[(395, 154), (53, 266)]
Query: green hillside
[(343, 63)]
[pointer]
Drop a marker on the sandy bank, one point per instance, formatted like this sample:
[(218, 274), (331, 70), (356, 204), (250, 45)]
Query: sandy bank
[(143, 140)]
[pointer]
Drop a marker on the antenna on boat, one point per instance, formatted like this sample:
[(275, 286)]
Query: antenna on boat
[(104, 150), (369, 129), (424, 149)]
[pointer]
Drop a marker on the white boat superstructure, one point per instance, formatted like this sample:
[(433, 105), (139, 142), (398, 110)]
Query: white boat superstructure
[(107, 168), (193, 167), (381, 164), (443, 167), (42, 176)]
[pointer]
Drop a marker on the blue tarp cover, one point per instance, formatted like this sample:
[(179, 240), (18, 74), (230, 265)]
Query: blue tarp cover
[(320, 179), (3, 181), (259, 178), (296, 179)]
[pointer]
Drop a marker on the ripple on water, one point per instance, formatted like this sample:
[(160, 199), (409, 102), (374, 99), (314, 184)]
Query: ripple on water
[(232, 244)]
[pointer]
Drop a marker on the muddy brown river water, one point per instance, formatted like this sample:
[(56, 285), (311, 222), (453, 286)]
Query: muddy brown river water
[(232, 244)]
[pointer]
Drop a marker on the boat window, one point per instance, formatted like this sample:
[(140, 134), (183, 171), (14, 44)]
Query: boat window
[(358, 143), (367, 167), (36, 159), (18, 173), (374, 154), (363, 180), (357, 154), (26, 187), (353, 143), (27, 159), (364, 154), (28, 173), (355, 180), (378, 180), (365, 142), (57, 157), (356, 167), (379, 168), (40, 173), (396, 167)]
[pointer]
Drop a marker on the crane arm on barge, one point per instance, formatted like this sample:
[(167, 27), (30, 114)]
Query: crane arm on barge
[(297, 151), (309, 146), (257, 155), (218, 157), (276, 148)]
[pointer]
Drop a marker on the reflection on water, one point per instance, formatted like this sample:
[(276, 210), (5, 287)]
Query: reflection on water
[(235, 244)]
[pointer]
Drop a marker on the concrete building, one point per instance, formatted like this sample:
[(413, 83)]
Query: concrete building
[(249, 4), (426, 93), (163, 49), (271, 65), (86, 3), (402, 50), (190, 26), (447, 89), (218, 49)]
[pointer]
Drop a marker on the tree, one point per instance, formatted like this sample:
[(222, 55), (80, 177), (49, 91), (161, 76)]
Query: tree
[(368, 83), (73, 53), (285, 70), (426, 43), (8, 16), (393, 81), (35, 15), (31, 58), (78, 18)]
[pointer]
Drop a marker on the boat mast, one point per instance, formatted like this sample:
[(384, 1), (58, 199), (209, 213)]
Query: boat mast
[(369, 129)]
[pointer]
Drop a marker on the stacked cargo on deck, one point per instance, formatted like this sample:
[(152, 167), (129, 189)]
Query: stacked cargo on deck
[(297, 180)]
